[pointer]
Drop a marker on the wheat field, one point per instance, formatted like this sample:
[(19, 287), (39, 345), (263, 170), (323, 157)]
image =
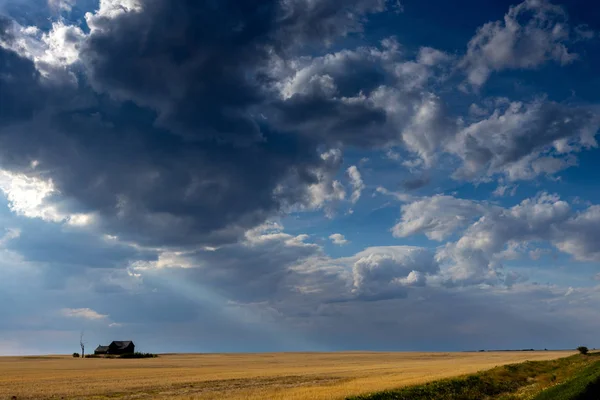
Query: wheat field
[(239, 376)]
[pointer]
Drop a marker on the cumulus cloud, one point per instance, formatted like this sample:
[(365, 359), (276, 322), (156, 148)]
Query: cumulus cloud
[(578, 235), (356, 182), (376, 97), (383, 272), (522, 141), (85, 313), (52, 51), (438, 217), (62, 5), (367, 97), (490, 234), (477, 255), (278, 268), (324, 191), (338, 238), (532, 33), (502, 190), (374, 274)]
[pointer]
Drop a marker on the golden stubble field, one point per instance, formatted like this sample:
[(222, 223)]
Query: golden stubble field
[(239, 376)]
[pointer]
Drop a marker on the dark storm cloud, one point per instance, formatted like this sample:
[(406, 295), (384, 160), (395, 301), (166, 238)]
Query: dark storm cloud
[(177, 153), (344, 122), (63, 247), (195, 62), (204, 65), (152, 187), (20, 93)]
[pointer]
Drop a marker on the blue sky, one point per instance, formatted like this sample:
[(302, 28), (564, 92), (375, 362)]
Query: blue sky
[(287, 175)]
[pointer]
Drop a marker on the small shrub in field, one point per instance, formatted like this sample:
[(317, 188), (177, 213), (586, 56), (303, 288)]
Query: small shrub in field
[(75, 355), (138, 355), (582, 349)]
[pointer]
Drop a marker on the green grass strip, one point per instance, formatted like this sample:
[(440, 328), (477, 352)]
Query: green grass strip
[(505, 382), (583, 386)]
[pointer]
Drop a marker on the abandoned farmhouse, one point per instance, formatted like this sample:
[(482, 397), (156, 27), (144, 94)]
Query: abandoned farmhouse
[(117, 348)]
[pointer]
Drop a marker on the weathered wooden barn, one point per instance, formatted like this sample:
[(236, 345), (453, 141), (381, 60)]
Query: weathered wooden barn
[(117, 348), (121, 347)]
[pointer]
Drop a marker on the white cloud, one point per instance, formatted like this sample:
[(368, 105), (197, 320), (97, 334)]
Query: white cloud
[(356, 182), (532, 33), (166, 259), (477, 111), (31, 196), (84, 313), (271, 265), (325, 193), (402, 197), (522, 141), (437, 217), (431, 57), (327, 189), (578, 236), (371, 83), (386, 271), (419, 117), (490, 234), (62, 5), (338, 238), (63, 42), (52, 52), (109, 9), (10, 233), (27, 195), (376, 273), (477, 255), (502, 190)]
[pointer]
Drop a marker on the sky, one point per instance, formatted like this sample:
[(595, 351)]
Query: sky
[(299, 175)]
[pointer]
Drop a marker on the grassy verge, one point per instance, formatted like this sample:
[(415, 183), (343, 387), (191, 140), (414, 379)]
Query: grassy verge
[(566, 379), (583, 386)]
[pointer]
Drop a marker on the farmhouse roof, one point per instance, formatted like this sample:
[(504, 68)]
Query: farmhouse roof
[(102, 348), (121, 344)]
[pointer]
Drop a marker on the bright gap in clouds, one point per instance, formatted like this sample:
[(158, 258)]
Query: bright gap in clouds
[(31, 197)]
